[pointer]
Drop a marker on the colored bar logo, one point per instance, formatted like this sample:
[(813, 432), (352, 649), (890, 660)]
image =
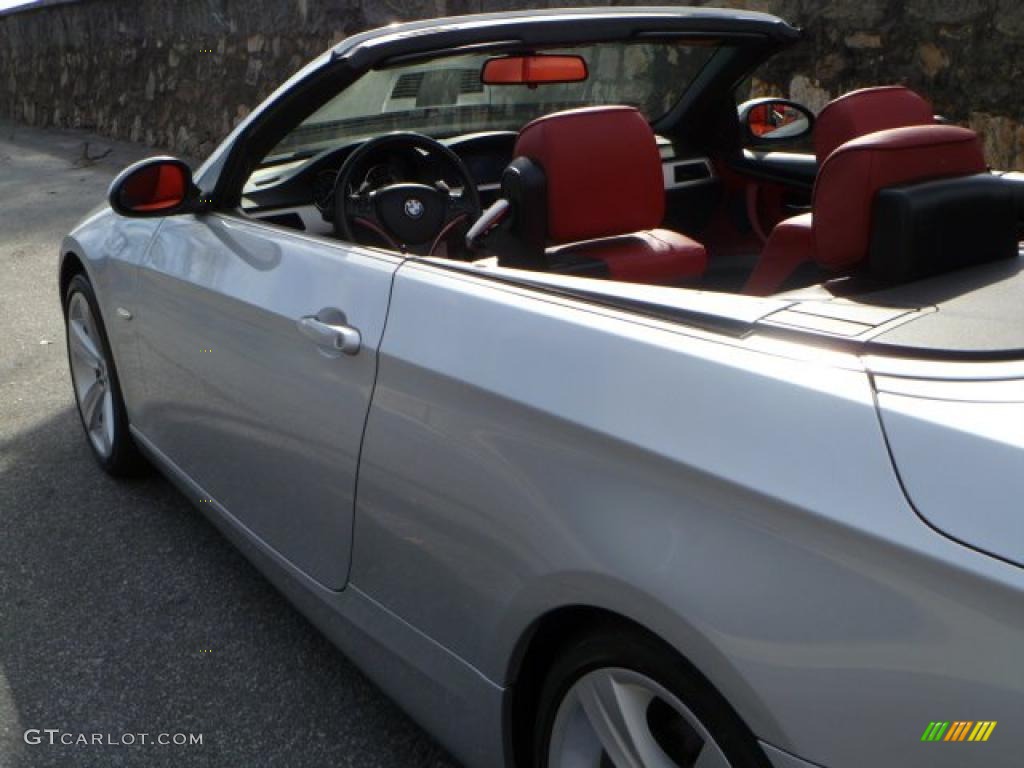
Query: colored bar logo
[(959, 730)]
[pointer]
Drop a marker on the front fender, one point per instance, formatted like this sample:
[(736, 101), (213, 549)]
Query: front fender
[(109, 249)]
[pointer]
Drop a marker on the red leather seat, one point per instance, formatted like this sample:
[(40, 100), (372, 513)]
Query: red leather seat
[(606, 195), (837, 235), (849, 117), (868, 110)]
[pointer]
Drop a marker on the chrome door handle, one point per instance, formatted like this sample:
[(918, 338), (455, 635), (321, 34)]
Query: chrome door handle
[(335, 337)]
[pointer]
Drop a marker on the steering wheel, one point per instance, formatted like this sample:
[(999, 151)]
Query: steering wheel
[(409, 215)]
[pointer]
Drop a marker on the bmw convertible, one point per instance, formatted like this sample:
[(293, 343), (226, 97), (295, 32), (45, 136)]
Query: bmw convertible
[(603, 414)]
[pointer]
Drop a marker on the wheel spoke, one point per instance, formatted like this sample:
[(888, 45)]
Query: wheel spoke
[(91, 402), (89, 374), (617, 714), (101, 442), (83, 344), (108, 416), (614, 716), (711, 757)]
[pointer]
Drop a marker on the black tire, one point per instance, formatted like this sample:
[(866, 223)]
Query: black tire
[(124, 459), (633, 649)]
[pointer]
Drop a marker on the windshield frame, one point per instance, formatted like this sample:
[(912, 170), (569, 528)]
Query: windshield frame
[(492, 108), (756, 36)]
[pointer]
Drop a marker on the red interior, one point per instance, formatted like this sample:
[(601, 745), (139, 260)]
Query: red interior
[(757, 203), (790, 245), (856, 171), (859, 113), (655, 256), (837, 235), (589, 194), (605, 186), (603, 171)]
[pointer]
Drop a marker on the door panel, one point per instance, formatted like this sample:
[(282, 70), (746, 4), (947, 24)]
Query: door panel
[(790, 169), (759, 189), (771, 186), (261, 412), (526, 452), (514, 435)]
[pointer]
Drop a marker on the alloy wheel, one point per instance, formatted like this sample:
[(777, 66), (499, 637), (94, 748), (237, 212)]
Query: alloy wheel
[(90, 374), (618, 718)]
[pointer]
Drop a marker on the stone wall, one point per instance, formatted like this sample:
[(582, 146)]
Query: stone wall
[(964, 55), (178, 74)]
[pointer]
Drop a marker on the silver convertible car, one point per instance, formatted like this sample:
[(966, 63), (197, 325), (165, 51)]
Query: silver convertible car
[(605, 409)]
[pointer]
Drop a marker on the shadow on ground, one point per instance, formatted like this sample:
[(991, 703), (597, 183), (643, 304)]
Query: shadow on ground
[(124, 611)]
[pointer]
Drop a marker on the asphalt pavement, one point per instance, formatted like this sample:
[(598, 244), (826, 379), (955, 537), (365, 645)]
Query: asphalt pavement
[(122, 610)]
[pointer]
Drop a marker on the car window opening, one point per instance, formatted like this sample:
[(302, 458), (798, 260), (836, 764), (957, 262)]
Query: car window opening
[(546, 161)]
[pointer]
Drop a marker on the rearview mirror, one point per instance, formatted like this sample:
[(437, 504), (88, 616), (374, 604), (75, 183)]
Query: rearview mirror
[(158, 186), (533, 70), (771, 120)]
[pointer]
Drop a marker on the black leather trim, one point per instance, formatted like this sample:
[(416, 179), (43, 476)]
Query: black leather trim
[(520, 241), (931, 228)]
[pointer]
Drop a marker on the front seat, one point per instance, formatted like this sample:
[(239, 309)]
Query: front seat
[(586, 196), (844, 119)]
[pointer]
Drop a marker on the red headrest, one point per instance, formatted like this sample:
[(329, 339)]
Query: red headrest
[(866, 111), (603, 171), (851, 177)]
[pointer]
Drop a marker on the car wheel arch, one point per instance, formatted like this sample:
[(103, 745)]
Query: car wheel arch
[(70, 265), (540, 645), (533, 655), (75, 260)]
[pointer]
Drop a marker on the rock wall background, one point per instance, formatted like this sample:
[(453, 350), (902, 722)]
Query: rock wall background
[(179, 74)]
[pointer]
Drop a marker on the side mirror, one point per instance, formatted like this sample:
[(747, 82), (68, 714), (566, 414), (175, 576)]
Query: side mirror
[(774, 121), (158, 186)]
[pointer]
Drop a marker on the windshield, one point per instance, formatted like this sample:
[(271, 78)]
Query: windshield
[(446, 97)]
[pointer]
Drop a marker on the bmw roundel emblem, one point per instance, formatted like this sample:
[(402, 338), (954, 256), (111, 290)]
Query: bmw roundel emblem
[(413, 208)]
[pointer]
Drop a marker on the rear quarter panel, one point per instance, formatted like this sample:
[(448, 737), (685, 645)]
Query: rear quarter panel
[(526, 452)]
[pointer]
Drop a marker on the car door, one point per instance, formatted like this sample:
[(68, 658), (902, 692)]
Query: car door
[(258, 347)]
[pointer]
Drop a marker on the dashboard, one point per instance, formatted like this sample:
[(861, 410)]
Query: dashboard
[(299, 193), (294, 184)]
